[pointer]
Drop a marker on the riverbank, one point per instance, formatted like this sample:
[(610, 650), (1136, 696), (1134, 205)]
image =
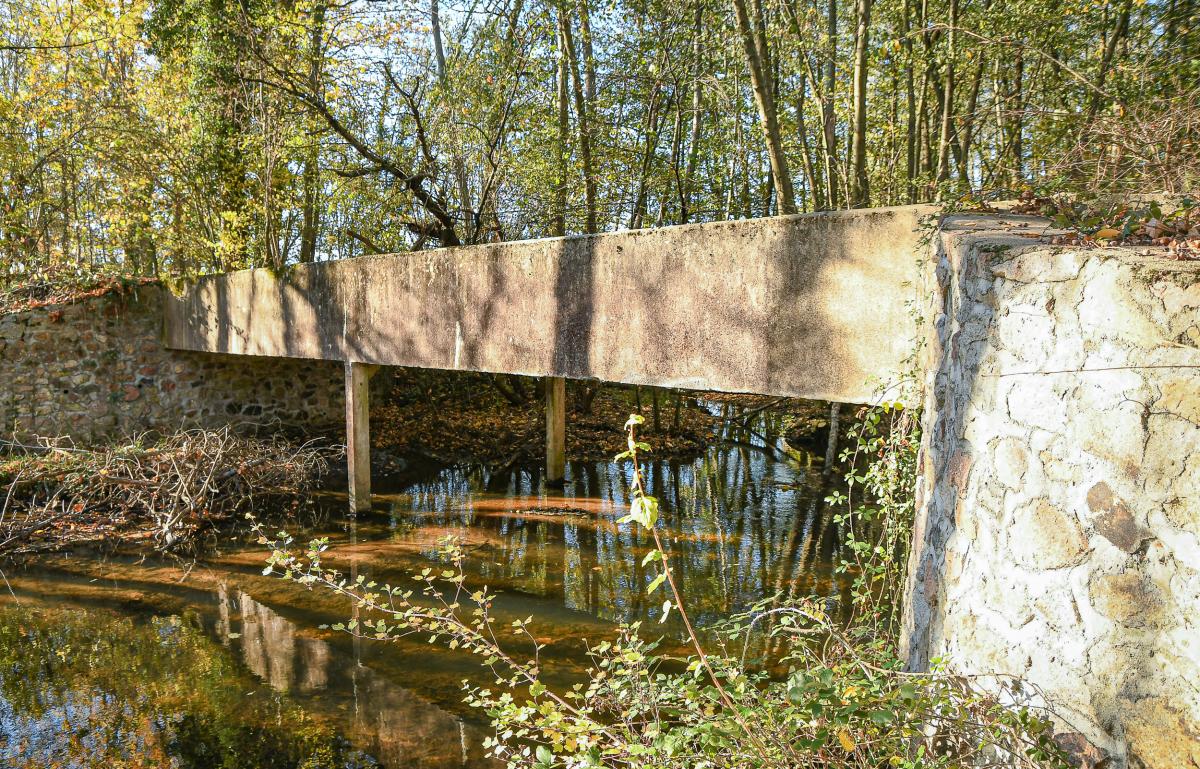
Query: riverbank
[(455, 418), (164, 494)]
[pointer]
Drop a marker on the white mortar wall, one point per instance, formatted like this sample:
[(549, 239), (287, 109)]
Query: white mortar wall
[(1058, 531)]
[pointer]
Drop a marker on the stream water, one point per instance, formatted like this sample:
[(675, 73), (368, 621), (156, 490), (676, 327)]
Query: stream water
[(140, 662)]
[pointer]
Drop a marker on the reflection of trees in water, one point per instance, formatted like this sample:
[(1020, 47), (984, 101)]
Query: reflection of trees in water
[(743, 521), (398, 727), (82, 688)]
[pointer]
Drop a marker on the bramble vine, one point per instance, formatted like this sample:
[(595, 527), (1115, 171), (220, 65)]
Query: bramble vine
[(844, 701)]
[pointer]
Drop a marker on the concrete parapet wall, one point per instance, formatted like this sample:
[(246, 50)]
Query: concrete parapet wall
[(1058, 533), (813, 306), (96, 369)]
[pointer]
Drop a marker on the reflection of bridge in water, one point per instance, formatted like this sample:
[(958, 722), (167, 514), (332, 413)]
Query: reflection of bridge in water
[(399, 728)]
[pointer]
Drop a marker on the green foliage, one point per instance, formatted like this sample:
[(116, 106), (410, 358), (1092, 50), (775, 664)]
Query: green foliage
[(831, 696), (876, 512), (175, 137)]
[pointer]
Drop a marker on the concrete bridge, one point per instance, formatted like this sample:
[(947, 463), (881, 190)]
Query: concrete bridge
[(817, 306), (1057, 531)]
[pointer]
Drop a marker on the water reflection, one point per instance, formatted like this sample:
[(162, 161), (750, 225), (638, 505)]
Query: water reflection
[(218, 665), (742, 522), (82, 688), (230, 683), (396, 726)]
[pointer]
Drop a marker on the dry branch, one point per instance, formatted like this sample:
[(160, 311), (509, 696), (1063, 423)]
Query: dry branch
[(170, 491)]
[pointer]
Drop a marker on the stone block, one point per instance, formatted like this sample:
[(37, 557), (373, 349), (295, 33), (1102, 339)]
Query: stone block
[(1044, 536), (1113, 520), (1129, 598), (1041, 266), (1038, 401), (1111, 308), (1180, 396), (1160, 735), (1011, 460)]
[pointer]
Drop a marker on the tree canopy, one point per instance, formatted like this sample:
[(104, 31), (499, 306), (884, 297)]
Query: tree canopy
[(174, 137)]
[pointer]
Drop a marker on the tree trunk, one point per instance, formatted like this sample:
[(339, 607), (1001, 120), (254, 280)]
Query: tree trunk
[(651, 148), (1015, 127), (911, 104), (943, 161), (810, 174), (435, 29), (754, 45), (310, 175), (1110, 50), (835, 412), (967, 136), (689, 181), (859, 189), (828, 119), (583, 110), (559, 215)]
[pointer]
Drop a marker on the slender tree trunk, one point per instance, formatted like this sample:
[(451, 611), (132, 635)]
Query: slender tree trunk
[(738, 153), (1110, 50), (859, 189), (685, 196), (943, 162), (435, 29), (754, 45), (1017, 121), (559, 215), (674, 163), (967, 135), (835, 412), (828, 118), (589, 59), (583, 111), (810, 174), (650, 150), (910, 103), (310, 175)]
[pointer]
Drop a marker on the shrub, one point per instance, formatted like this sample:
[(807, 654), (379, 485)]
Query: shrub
[(844, 699)]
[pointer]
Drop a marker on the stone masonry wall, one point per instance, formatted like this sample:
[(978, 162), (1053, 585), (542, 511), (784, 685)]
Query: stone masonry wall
[(1058, 527), (96, 369)]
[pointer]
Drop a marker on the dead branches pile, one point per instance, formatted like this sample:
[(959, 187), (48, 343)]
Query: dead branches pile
[(1152, 147), (169, 491)]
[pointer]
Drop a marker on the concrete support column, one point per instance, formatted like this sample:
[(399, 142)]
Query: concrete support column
[(556, 429), (358, 434)]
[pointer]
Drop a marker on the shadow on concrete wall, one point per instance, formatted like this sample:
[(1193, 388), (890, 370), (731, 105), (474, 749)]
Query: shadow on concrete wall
[(574, 289), (808, 306)]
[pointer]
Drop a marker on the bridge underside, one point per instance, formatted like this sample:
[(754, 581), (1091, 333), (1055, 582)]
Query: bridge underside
[(814, 306)]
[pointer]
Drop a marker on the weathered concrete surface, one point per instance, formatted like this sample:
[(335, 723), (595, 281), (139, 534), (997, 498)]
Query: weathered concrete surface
[(1058, 528), (813, 306), (358, 434)]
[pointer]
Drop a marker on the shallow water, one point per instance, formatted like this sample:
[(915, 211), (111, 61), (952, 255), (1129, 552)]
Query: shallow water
[(141, 662)]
